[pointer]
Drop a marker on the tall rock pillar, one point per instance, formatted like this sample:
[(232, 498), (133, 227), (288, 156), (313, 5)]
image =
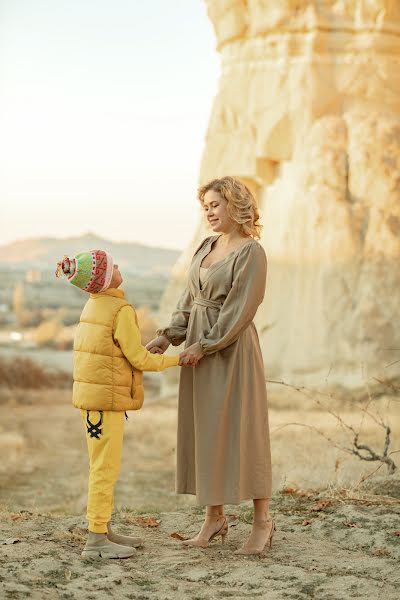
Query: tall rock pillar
[(308, 114)]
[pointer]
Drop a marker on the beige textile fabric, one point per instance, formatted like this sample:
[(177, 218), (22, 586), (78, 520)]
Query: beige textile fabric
[(223, 449), (203, 273)]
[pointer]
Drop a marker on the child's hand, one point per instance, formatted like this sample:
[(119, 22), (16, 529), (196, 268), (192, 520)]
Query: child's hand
[(156, 350)]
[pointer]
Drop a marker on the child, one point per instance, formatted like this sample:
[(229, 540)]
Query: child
[(108, 363)]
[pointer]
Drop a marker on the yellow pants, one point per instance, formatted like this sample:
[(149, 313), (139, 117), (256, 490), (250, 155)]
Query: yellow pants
[(104, 436)]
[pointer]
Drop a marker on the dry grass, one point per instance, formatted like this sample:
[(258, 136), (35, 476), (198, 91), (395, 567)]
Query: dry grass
[(52, 435), (23, 373)]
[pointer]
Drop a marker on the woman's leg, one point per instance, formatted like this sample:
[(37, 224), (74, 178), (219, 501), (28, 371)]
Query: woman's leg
[(262, 528), (214, 522), (261, 509), (217, 510)]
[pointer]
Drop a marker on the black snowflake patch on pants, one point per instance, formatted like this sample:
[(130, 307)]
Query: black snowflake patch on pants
[(94, 429)]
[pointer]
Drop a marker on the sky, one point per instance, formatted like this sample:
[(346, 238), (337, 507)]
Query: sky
[(103, 113)]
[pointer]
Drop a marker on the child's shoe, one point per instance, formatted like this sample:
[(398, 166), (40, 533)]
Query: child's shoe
[(125, 540), (98, 545)]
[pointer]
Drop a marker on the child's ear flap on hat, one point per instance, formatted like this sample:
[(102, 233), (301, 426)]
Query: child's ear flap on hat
[(65, 266)]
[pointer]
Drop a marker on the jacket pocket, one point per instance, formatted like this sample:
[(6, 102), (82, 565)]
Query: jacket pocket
[(137, 391)]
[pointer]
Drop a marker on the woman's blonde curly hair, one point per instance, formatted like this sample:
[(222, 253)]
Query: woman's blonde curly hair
[(242, 206)]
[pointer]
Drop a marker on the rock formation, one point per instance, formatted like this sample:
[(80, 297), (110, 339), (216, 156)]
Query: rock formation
[(308, 114)]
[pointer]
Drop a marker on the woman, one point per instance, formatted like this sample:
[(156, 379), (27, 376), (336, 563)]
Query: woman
[(223, 450)]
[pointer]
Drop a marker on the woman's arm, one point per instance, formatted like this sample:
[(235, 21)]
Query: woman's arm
[(242, 301), (175, 333)]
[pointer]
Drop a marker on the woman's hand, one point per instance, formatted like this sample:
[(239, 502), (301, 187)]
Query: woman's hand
[(159, 345), (191, 356)]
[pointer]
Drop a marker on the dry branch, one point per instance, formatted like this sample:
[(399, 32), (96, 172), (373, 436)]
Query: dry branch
[(361, 450)]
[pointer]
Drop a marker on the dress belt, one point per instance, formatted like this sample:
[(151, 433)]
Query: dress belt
[(207, 303)]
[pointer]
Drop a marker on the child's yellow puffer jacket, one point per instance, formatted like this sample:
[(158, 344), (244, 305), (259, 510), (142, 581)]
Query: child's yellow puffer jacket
[(103, 378), (109, 357)]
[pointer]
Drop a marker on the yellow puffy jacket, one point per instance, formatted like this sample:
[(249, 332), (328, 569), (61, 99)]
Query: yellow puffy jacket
[(109, 358)]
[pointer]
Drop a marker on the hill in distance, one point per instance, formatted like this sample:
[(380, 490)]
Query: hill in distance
[(43, 254)]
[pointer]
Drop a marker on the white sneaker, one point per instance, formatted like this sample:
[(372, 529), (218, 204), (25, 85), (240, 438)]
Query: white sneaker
[(99, 546)]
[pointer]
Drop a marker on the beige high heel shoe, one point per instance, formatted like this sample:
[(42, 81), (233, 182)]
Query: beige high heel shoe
[(204, 543), (249, 551)]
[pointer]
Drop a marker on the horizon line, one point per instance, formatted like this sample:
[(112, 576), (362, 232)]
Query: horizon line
[(85, 234)]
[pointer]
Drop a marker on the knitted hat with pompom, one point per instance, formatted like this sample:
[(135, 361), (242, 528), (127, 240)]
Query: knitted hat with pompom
[(90, 271)]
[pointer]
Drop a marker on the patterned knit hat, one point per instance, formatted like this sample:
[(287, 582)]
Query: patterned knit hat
[(90, 271)]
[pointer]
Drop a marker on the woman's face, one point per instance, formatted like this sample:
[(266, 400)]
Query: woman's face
[(216, 210)]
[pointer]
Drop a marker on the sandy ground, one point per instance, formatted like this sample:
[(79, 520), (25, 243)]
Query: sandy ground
[(334, 541), (346, 551)]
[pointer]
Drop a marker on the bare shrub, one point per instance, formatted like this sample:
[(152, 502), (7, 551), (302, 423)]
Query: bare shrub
[(47, 332), (24, 373), (324, 400)]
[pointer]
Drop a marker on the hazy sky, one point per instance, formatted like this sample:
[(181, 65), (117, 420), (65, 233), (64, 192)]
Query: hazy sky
[(103, 111)]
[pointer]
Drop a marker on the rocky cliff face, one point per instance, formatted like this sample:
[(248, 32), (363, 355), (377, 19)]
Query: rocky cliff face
[(308, 114)]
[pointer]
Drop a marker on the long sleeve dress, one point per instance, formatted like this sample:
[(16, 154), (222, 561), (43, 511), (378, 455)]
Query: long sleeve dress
[(223, 448)]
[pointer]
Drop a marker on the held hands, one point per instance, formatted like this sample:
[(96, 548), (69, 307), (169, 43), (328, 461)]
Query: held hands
[(188, 358), (191, 356), (158, 346)]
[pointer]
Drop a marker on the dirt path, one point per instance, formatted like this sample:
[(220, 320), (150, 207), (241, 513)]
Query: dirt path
[(346, 551)]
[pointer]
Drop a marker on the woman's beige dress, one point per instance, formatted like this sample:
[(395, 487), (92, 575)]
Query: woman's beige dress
[(223, 449)]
